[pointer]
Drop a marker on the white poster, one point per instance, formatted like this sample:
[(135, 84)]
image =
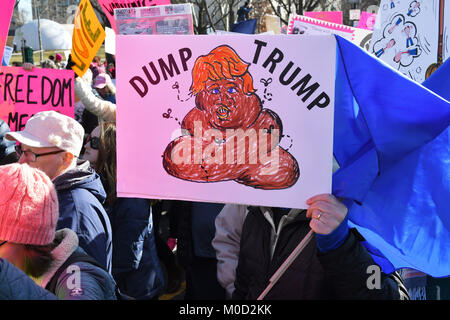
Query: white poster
[(302, 25), (256, 113), (406, 36)]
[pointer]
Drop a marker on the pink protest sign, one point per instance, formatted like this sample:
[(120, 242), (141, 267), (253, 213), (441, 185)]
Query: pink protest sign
[(5, 19), (229, 119), (24, 93), (367, 20), (330, 16), (108, 7)]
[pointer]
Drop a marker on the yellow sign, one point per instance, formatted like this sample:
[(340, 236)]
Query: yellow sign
[(88, 36)]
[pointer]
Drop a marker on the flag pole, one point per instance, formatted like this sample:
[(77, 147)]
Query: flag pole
[(287, 263)]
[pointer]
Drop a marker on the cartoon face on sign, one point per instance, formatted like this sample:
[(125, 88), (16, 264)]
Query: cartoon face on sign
[(228, 135)]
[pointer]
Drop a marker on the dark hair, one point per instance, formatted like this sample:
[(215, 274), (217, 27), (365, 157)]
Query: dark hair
[(106, 164), (38, 259)]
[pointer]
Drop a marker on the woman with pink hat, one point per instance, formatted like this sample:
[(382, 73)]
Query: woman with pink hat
[(29, 241)]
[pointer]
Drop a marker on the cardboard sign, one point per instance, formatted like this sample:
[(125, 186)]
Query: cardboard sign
[(24, 93), (88, 36), (108, 7), (5, 19), (406, 36), (330, 16), (301, 25), (170, 19), (234, 119)]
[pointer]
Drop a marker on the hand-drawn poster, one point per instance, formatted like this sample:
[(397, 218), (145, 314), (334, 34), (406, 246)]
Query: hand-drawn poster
[(170, 19), (24, 93), (234, 119), (301, 25), (88, 37), (109, 6), (407, 37)]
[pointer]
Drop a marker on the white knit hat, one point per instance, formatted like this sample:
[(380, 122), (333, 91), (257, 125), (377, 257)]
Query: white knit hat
[(51, 129)]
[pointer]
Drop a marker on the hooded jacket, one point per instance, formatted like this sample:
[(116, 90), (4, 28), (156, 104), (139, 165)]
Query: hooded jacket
[(79, 281), (81, 195)]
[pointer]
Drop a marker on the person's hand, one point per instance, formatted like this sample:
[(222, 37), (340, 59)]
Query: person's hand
[(326, 213), (28, 66)]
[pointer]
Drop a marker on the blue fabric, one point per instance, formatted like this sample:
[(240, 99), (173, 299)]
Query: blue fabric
[(136, 266), (391, 141), (247, 26), (80, 196), (96, 283), (203, 228), (335, 239), (16, 285)]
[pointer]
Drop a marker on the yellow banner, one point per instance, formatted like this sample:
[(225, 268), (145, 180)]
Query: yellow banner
[(88, 36)]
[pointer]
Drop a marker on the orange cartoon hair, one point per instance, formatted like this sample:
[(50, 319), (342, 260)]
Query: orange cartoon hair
[(221, 63)]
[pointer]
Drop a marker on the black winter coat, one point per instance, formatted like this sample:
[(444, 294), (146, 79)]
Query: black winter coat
[(338, 274)]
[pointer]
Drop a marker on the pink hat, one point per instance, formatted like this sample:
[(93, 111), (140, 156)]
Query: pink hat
[(28, 205), (58, 57), (102, 80)]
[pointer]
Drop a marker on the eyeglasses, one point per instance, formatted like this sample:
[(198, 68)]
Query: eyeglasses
[(31, 156), (3, 243), (94, 142)]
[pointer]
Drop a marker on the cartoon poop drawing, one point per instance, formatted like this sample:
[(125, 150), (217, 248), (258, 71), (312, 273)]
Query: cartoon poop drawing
[(228, 135)]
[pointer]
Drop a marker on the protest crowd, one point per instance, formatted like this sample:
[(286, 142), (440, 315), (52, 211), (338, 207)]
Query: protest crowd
[(65, 233)]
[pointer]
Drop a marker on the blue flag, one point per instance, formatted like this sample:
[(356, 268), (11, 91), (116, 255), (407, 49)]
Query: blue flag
[(247, 26), (391, 142)]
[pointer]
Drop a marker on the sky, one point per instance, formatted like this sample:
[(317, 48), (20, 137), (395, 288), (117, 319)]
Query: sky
[(25, 5)]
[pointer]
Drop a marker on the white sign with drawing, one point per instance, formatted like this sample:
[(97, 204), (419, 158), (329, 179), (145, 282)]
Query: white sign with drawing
[(407, 36)]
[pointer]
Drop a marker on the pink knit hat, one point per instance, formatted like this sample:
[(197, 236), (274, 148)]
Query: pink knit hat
[(28, 205)]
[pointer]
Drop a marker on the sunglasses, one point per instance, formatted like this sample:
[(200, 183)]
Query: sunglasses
[(94, 142), (31, 156)]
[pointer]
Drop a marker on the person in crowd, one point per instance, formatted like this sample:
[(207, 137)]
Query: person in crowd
[(111, 70), (79, 106), (96, 109), (102, 109), (244, 11), (33, 255), (136, 266), (52, 143), (105, 87), (7, 147), (253, 242), (194, 229), (58, 60), (48, 64)]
